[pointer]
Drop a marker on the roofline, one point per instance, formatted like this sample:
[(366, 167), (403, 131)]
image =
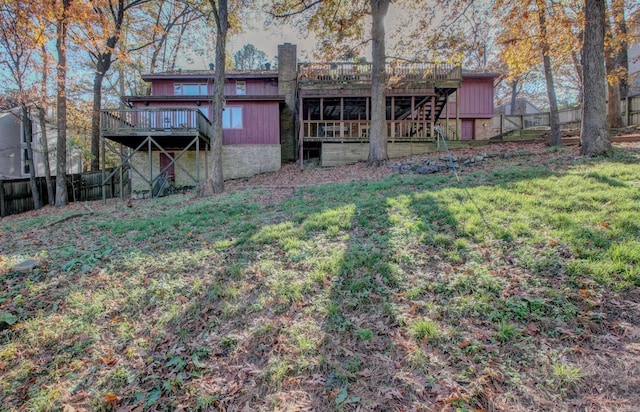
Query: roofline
[(209, 75), (202, 98), (480, 75)]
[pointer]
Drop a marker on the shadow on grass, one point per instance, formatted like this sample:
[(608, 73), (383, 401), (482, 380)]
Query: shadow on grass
[(340, 297)]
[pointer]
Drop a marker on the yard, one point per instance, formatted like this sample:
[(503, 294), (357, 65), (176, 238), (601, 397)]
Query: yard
[(515, 289)]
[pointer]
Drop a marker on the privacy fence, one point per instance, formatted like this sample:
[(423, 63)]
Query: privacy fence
[(16, 197), (570, 119)]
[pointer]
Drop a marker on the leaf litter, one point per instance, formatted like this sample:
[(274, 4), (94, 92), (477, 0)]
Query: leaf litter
[(183, 318)]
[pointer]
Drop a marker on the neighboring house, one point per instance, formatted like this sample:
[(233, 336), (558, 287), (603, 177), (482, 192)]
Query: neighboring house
[(633, 25), (297, 112), (13, 148), (634, 66), (523, 106)]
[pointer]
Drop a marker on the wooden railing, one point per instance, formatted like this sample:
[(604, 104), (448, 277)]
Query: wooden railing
[(123, 121), (358, 130), (361, 72)]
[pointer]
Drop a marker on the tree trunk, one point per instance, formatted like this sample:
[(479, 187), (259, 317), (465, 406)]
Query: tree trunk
[(61, 147), (44, 139), (554, 117), (594, 134), (614, 111), (28, 138), (44, 142), (215, 182), (95, 116), (378, 131), (514, 96)]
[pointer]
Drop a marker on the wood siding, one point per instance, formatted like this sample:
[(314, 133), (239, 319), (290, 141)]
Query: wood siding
[(476, 99), (260, 124), (260, 121), (256, 87)]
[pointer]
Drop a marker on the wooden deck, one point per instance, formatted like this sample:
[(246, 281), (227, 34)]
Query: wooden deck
[(354, 75), (172, 128), (358, 131)]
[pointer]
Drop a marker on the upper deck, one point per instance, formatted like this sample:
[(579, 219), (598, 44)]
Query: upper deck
[(358, 75)]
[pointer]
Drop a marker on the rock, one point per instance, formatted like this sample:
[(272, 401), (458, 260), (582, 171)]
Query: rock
[(425, 170), (479, 158), (404, 168), (26, 266)]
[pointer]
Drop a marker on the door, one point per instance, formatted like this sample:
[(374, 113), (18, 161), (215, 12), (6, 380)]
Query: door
[(467, 129), (166, 161)]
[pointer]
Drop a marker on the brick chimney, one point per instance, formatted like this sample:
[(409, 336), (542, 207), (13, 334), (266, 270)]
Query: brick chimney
[(287, 83)]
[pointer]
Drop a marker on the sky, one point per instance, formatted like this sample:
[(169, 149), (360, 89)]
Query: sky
[(268, 39)]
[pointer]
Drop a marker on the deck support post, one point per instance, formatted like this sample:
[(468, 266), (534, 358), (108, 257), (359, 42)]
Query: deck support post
[(301, 132), (433, 118), (206, 161), (150, 164), (103, 162), (198, 160), (121, 171), (458, 125)]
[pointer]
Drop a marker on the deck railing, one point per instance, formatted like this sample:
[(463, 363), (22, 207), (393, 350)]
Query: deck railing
[(123, 121), (361, 72), (358, 130)]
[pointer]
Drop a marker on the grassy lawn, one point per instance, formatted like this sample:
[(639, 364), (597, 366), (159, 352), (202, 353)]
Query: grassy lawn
[(515, 289)]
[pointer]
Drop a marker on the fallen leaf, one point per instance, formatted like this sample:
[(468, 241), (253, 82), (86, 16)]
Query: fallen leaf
[(109, 361), (464, 343), (604, 224), (111, 398)]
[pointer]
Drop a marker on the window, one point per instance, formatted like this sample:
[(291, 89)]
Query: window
[(232, 117), (241, 87), (190, 89)]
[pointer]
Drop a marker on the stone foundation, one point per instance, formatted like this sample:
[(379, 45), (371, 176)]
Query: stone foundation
[(339, 154), (238, 161)]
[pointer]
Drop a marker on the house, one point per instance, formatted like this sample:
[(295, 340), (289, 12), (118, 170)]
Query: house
[(522, 106), (297, 112), (13, 147)]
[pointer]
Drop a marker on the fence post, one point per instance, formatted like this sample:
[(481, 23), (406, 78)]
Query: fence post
[(3, 211)]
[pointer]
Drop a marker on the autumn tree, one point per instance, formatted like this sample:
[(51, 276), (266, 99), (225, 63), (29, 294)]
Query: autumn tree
[(617, 40), (594, 133), (249, 58), (41, 107), (20, 38), (62, 14), (540, 32), (103, 32)]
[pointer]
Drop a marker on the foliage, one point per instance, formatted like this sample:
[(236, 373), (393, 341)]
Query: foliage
[(249, 58), (513, 289)]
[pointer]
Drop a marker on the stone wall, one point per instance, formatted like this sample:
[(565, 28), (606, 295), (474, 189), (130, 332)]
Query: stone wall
[(249, 160), (238, 161), (483, 129), (338, 154)]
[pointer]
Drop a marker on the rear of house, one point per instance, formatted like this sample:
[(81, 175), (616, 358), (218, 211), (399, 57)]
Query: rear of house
[(294, 113)]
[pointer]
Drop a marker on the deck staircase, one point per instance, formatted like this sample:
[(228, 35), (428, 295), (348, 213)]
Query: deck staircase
[(423, 110)]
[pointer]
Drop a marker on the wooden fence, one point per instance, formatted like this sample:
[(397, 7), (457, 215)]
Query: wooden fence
[(570, 119), (16, 197)]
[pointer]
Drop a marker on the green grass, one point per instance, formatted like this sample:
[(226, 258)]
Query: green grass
[(403, 292)]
